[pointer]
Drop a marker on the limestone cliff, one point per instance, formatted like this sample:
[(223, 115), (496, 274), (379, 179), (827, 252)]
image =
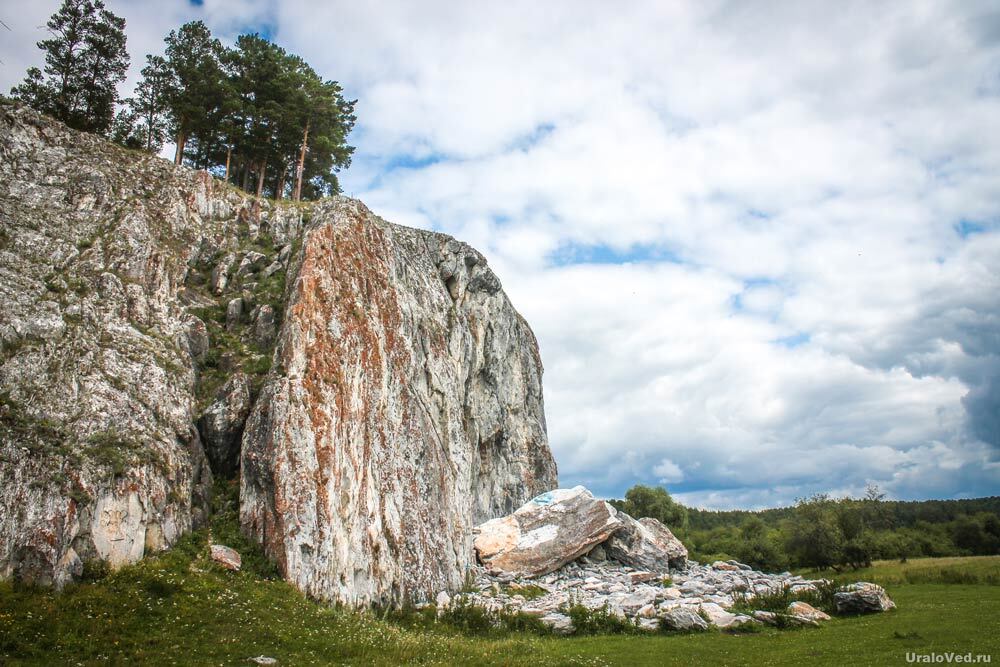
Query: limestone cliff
[(394, 395), (405, 406)]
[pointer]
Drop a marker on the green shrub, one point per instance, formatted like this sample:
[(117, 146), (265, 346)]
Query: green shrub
[(599, 621)]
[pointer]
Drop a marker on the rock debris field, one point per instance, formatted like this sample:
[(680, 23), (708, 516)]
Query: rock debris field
[(635, 570)]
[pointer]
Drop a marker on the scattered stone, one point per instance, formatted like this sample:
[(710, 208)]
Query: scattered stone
[(559, 623), (443, 600), (717, 616), (722, 565), (220, 274), (270, 270), (766, 617), (683, 618), (545, 533), (251, 263), (862, 598), (642, 577), (264, 660), (226, 557), (646, 544), (807, 611), (234, 313)]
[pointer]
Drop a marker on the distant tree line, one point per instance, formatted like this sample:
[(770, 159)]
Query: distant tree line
[(824, 532), (254, 115)]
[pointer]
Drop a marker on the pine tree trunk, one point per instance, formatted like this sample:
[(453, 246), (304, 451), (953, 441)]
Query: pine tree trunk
[(279, 189), (229, 155), (179, 154), (302, 164), (260, 177)]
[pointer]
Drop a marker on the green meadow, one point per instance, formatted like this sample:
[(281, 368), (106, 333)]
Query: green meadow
[(179, 608)]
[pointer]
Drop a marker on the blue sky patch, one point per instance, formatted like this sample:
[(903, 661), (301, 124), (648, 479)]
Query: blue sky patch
[(574, 253)]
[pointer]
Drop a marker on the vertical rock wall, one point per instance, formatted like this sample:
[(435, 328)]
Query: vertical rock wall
[(405, 407), (99, 456)]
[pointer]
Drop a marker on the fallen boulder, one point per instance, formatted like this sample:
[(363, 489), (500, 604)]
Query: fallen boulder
[(862, 598), (684, 619), (807, 611), (545, 533), (646, 544), (226, 557)]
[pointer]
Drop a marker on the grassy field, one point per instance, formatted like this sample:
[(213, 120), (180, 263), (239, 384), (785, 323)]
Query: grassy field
[(181, 609)]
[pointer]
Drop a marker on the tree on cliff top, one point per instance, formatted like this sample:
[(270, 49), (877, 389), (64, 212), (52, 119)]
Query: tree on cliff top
[(85, 60), (198, 91)]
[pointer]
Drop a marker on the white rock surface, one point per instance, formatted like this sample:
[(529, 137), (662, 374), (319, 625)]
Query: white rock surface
[(547, 532), (646, 544), (863, 598)]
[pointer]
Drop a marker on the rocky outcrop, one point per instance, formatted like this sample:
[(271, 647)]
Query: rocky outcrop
[(405, 406), (396, 393), (646, 544), (546, 533)]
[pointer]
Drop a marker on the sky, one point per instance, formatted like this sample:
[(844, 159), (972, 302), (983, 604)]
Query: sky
[(759, 243)]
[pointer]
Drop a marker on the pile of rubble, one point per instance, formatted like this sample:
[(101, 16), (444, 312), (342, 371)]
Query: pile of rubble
[(567, 548)]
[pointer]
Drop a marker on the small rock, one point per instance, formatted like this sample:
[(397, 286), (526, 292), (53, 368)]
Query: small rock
[(443, 600), (226, 557), (647, 611), (642, 577), (807, 611), (724, 566), (649, 624), (270, 270), (252, 262), (671, 593), (717, 616), (220, 274), (559, 623), (234, 313), (768, 617), (683, 618), (264, 660)]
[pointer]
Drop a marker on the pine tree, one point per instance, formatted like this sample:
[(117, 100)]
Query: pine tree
[(149, 104), (85, 60), (197, 89)]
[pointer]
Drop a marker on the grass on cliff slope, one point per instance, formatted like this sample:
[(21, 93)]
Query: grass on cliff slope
[(179, 608)]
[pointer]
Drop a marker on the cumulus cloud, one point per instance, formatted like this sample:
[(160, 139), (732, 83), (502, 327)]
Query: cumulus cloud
[(759, 244)]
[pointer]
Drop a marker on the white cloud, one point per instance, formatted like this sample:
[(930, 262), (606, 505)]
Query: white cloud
[(668, 472), (759, 245)]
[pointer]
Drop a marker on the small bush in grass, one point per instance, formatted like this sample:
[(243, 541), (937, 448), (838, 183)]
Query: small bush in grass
[(528, 591), (465, 617), (599, 621), (778, 600)]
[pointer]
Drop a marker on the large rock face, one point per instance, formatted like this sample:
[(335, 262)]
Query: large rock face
[(402, 404), (405, 406)]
